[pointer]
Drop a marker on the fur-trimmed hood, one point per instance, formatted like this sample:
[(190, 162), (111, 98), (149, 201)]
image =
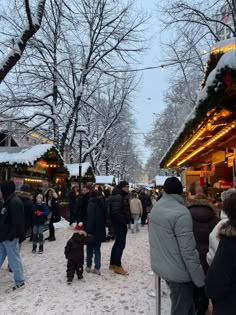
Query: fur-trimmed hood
[(201, 210), (25, 195), (227, 230), (54, 194)]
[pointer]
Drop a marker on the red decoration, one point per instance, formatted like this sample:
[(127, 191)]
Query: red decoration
[(228, 81)]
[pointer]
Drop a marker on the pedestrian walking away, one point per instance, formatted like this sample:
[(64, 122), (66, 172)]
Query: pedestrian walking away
[(120, 217), (173, 248), (12, 232), (96, 215), (136, 210)]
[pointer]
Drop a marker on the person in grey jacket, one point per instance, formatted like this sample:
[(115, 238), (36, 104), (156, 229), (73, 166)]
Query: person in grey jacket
[(173, 248)]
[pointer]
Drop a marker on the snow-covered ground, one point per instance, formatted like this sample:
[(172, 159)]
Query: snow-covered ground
[(46, 291)]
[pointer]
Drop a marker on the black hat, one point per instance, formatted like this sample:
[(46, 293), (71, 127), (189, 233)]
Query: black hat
[(25, 187), (7, 189), (122, 184), (173, 185)]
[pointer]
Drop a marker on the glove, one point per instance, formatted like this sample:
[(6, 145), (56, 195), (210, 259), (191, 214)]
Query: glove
[(38, 213)]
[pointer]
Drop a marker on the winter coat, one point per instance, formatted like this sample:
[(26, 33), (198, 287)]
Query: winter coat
[(172, 245), (12, 220), (40, 213), (96, 214), (221, 276), (214, 241), (119, 207), (72, 201), (74, 249), (54, 208), (28, 203), (82, 207), (136, 206), (204, 220), (145, 199)]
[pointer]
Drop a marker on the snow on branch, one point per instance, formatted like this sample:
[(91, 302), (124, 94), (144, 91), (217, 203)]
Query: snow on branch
[(20, 43)]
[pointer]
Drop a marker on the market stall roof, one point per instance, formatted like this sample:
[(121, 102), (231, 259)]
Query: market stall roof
[(74, 168), (27, 156), (160, 180), (105, 180), (212, 119)]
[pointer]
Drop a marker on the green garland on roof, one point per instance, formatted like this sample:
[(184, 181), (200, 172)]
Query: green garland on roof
[(216, 98)]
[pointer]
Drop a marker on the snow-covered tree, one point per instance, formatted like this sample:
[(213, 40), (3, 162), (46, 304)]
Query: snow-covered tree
[(19, 22), (67, 68)]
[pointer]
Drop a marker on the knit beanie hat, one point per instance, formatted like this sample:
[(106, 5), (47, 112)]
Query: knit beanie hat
[(25, 187), (122, 184), (79, 226), (39, 196), (173, 185)]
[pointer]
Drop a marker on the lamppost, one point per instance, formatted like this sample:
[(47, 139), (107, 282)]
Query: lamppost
[(82, 131), (118, 172)]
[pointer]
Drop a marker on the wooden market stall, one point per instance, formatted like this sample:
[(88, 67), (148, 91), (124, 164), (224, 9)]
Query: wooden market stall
[(86, 173), (105, 180), (206, 145), (36, 166)]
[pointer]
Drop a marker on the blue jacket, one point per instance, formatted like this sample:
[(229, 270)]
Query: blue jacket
[(40, 213)]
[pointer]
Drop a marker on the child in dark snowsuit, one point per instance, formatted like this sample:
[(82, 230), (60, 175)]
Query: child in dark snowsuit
[(74, 252), (40, 213)]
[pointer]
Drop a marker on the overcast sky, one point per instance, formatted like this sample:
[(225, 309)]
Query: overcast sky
[(149, 99)]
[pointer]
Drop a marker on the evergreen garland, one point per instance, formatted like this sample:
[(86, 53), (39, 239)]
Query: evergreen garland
[(221, 94)]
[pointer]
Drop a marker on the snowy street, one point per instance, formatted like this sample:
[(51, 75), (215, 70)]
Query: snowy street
[(47, 292)]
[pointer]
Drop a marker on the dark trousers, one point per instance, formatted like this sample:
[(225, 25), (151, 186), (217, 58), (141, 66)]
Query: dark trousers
[(51, 228), (72, 268), (119, 245), (181, 295), (96, 250), (72, 216), (200, 300), (144, 216)]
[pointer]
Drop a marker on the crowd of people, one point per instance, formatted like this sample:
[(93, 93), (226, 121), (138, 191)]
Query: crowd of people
[(194, 251), (192, 242), (94, 212)]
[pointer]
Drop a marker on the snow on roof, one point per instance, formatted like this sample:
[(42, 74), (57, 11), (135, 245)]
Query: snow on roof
[(12, 155), (104, 179), (160, 180), (227, 60), (74, 168), (224, 43)]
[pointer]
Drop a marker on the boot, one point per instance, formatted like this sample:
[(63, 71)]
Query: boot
[(34, 248), (120, 270), (51, 239), (40, 249)]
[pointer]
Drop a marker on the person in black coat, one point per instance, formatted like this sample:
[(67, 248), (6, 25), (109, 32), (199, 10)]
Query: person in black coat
[(146, 202), (120, 216), (82, 205), (27, 200), (220, 283), (72, 204), (204, 220), (53, 205), (74, 253), (96, 214), (12, 231)]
